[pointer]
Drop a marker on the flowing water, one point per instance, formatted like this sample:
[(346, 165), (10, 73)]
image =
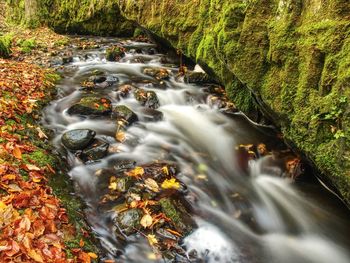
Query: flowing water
[(241, 216)]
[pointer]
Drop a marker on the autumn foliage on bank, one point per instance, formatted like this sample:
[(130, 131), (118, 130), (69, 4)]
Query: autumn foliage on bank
[(33, 224)]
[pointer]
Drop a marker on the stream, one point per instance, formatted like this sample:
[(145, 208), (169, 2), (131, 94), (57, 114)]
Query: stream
[(235, 203)]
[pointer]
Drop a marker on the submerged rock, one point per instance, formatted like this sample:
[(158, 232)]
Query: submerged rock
[(78, 139), (147, 98), (94, 106), (158, 73), (122, 112), (124, 183), (96, 151), (195, 77), (129, 221), (151, 114), (174, 209)]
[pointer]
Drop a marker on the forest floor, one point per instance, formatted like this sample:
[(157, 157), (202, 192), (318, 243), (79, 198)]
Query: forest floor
[(37, 223)]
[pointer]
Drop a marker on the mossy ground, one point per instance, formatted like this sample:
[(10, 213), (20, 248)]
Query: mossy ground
[(293, 57)]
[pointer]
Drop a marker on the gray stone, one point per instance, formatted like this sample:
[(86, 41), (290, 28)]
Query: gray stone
[(78, 139)]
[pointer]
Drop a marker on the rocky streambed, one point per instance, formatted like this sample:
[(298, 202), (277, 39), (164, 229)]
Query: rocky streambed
[(171, 171)]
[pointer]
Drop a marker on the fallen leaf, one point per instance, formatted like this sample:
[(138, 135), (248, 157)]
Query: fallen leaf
[(112, 186), (31, 167), (146, 220), (17, 152), (41, 134), (152, 240), (136, 172), (34, 255), (92, 255), (170, 184), (120, 136), (152, 185)]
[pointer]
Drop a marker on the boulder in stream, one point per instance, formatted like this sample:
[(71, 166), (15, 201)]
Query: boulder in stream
[(123, 113), (129, 221), (96, 151), (147, 98), (78, 139), (93, 106), (158, 73), (175, 209), (151, 114), (115, 53), (194, 77)]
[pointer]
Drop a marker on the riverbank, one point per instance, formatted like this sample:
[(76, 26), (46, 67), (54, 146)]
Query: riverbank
[(38, 222)]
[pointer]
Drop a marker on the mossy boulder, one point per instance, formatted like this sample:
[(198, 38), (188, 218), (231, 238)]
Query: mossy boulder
[(91, 106), (158, 73), (123, 113), (147, 98), (114, 53), (289, 59), (174, 209)]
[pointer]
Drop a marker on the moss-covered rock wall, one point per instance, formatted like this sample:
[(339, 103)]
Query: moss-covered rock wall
[(97, 17), (294, 55)]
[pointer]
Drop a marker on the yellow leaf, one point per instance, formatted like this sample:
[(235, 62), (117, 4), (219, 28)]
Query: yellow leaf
[(120, 136), (2, 205), (136, 172), (152, 185), (34, 255), (92, 255), (17, 152), (113, 186), (165, 170), (146, 221), (152, 239), (171, 184)]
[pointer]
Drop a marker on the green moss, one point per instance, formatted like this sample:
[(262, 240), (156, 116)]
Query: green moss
[(27, 45), (5, 45), (294, 58), (40, 157)]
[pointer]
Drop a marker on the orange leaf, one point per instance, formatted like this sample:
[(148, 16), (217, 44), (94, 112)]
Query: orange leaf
[(92, 255), (81, 243), (17, 152)]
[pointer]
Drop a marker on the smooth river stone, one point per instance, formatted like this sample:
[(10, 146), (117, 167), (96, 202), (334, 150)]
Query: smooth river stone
[(78, 139)]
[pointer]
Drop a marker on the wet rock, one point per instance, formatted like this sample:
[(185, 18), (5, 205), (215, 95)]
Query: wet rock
[(91, 106), (147, 98), (122, 112), (195, 77), (177, 212), (115, 53), (124, 183), (97, 79), (66, 60), (123, 165), (124, 90), (129, 221), (96, 151), (158, 73), (149, 114), (78, 139)]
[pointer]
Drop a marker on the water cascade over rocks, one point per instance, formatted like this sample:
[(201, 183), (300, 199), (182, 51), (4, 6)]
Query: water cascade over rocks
[(172, 172)]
